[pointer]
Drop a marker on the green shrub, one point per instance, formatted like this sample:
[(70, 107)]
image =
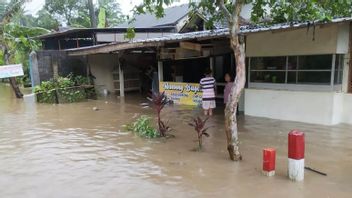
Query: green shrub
[(64, 82), (143, 127), (70, 95), (45, 95), (81, 80), (61, 89)]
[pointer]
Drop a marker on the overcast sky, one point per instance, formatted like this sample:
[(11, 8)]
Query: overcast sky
[(126, 5)]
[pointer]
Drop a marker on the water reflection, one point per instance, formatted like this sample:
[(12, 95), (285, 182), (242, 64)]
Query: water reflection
[(72, 151)]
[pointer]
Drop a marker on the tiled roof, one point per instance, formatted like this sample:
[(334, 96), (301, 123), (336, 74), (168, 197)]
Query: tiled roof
[(171, 17)]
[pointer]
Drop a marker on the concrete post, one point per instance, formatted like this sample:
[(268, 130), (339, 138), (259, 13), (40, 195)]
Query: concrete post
[(55, 66), (121, 80), (296, 155), (269, 155), (160, 71), (33, 69), (211, 64)]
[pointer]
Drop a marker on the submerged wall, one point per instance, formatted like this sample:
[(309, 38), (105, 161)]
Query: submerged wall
[(102, 66), (325, 108)]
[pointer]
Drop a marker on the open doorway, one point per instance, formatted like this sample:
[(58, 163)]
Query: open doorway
[(185, 70)]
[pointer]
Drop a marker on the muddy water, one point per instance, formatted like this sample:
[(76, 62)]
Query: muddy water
[(72, 151)]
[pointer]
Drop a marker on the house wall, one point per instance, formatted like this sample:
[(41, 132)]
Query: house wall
[(318, 107), (347, 109), (342, 38), (328, 39), (66, 64), (102, 66), (121, 37), (310, 107), (326, 108)]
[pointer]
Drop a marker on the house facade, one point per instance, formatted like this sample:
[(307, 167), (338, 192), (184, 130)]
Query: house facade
[(299, 72)]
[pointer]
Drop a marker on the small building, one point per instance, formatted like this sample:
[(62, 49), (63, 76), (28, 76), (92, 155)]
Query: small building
[(299, 72), (53, 60)]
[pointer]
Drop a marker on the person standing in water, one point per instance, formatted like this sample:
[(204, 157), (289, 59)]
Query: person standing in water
[(207, 85), (228, 86)]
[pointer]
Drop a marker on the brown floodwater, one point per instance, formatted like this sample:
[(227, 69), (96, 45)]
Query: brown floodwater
[(69, 150)]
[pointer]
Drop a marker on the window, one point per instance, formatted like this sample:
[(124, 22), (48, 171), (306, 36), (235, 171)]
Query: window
[(268, 69), (314, 69), (305, 70)]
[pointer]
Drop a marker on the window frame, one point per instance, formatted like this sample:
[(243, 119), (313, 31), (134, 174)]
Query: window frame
[(298, 86)]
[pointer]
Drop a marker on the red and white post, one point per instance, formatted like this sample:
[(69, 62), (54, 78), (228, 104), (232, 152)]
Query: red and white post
[(296, 155), (269, 155)]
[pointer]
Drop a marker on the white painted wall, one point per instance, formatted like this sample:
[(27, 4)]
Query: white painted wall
[(327, 108), (329, 39), (347, 109), (343, 30), (102, 66), (337, 108), (120, 37), (241, 103)]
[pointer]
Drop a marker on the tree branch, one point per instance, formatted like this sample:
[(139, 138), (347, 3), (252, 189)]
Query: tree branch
[(221, 5)]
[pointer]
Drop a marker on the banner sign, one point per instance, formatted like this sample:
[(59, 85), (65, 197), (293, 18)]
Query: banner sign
[(8, 71), (182, 93)]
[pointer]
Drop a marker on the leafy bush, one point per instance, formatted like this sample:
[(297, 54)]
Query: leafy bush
[(61, 89), (81, 80), (64, 82), (143, 127), (46, 92), (70, 95)]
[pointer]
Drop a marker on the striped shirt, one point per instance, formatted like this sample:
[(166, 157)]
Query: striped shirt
[(207, 85)]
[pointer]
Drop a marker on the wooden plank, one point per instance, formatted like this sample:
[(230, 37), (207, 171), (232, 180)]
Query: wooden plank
[(191, 46), (186, 53), (110, 48)]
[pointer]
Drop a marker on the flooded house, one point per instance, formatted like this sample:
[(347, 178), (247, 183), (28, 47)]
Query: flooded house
[(299, 72)]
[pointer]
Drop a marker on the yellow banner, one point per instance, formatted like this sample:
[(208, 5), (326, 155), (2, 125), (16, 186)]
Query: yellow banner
[(182, 93)]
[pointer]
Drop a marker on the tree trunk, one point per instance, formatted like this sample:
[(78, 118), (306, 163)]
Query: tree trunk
[(93, 21), (15, 87), (13, 82), (238, 46)]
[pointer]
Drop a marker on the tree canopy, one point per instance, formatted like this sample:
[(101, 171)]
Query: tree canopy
[(76, 12), (263, 11), (300, 10)]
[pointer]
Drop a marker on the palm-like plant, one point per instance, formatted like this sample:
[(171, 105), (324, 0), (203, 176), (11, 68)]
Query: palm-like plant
[(199, 126), (7, 11), (14, 38), (159, 101)]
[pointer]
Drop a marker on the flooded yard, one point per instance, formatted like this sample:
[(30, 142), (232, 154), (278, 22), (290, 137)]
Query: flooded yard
[(69, 150)]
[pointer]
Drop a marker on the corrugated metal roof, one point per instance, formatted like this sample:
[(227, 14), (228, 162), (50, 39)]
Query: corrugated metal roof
[(218, 33), (261, 28), (84, 31)]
